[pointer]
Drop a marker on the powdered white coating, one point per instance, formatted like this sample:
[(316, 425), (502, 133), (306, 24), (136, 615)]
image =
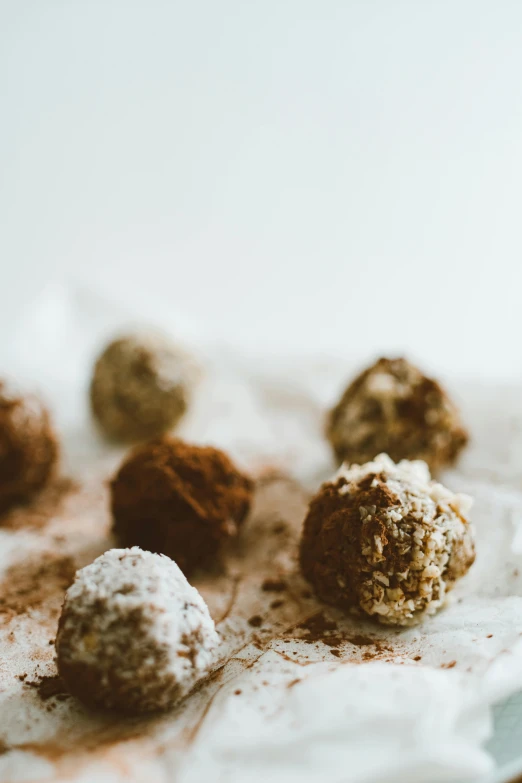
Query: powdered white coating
[(135, 630), (427, 528)]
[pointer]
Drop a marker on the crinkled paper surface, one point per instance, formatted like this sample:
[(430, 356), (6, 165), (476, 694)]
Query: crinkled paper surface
[(303, 693)]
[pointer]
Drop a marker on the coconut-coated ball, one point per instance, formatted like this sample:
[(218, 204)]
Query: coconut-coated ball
[(180, 499), (28, 446), (385, 540), (141, 386), (392, 407), (133, 635)]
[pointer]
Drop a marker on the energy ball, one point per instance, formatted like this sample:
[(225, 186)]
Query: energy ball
[(140, 387), (28, 447), (133, 635), (179, 499), (393, 408), (384, 539)]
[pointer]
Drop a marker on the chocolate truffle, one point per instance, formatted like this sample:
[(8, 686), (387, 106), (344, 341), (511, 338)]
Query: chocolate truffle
[(384, 539), (140, 387), (28, 446), (179, 499), (133, 635), (393, 408)]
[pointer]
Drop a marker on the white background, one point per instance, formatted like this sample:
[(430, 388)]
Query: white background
[(302, 175)]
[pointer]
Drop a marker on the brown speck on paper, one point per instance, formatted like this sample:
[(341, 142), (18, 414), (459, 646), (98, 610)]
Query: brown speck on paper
[(449, 665)]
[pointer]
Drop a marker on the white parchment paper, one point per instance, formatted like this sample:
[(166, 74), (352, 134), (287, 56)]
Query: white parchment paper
[(400, 706)]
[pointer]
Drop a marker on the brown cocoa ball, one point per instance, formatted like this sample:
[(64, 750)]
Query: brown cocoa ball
[(180, 500), (28, 447), (140, 387), (385, 540), (393, 408)]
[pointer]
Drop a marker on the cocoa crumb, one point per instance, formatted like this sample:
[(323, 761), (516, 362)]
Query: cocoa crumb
[(238, 692), (293, 682), (274, 585), (449, 665), (489, 636), (256, 621), (318, 625), (337, 653), (276, 604), (48, 687), (418, 658), (361, 641)]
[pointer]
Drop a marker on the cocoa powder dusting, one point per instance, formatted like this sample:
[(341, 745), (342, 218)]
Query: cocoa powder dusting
[(318, 625), (35, 582), (180, 500), (361, 641), (40, 510)]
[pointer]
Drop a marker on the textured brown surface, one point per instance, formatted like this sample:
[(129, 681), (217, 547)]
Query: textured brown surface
[(179, 500), (140, 387), (416, 420), (335, 535), (28, 447), (330, 553)]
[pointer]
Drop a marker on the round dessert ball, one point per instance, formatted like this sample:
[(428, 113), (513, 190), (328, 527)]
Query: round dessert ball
[(179, 499), (384, 539), (28, 446), (140, 387), (393, 408), (133, 635)]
